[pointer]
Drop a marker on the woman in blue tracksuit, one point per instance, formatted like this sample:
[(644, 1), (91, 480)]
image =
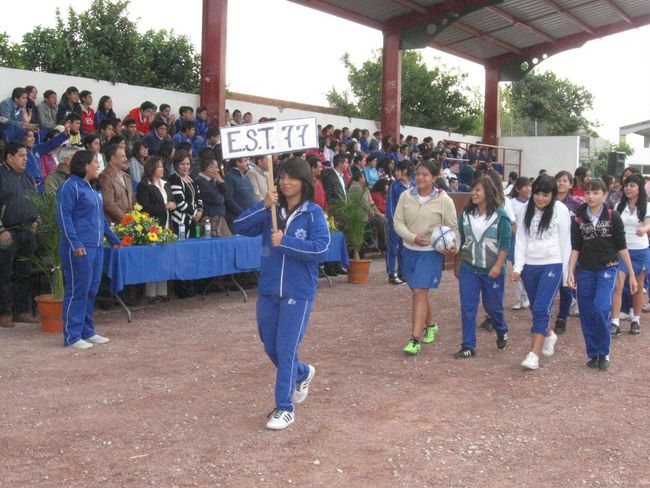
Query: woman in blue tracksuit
[(485, 232), (288, 279), (80, 214), (542, 251)]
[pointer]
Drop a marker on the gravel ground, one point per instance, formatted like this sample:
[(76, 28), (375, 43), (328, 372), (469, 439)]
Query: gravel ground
[(179, 398)]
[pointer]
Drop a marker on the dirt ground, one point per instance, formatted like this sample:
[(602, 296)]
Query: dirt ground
[(179, 398)]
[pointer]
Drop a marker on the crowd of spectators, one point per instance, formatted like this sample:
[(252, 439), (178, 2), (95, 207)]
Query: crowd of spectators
[(172, 165)]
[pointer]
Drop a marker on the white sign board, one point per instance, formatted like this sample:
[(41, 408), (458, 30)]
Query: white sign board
[(276, 137)]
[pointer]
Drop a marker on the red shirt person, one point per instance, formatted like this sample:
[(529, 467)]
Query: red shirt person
[(143, 116), (87, 112)]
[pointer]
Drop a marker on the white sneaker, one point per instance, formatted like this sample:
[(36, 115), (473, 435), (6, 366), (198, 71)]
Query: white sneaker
[(81, 344), (279, 420), (302, 388), (549, 345), (525, 303), (97, 339), (517, 306), (531, 361), (623, 316)]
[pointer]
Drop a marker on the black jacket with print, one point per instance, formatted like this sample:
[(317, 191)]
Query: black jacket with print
[(598, 245)]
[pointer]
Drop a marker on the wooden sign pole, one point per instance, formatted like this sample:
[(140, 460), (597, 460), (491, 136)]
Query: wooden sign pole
[(274, 215)]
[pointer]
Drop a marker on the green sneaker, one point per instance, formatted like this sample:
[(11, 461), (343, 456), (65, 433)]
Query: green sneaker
[(430, 333), (413, 347)]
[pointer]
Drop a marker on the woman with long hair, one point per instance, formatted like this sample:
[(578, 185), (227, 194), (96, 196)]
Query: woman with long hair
[(633, 209), (104, 110), (519, 196), (580, 180), (288, 279), (155, 196), (136, 163), (542, 251), (80, 215), (187, 196), (419, 212), (485, 233)]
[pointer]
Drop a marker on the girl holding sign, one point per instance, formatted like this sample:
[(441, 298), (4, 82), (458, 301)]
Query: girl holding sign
[(288, 279)]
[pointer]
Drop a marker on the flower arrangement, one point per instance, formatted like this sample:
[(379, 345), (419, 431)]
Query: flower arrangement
[(138, 228), (331, 225)]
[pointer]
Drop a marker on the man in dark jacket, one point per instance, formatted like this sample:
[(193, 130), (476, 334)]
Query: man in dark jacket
[(17, 240), (238, 189), (212, 188), (334, 180)]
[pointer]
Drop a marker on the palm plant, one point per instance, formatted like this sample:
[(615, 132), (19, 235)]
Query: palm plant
[(351, 219), (46, 258)]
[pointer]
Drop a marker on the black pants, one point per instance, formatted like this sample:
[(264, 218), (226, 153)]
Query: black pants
[(17, 259)]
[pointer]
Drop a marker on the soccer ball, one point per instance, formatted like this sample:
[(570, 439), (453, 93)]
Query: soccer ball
[(443, 238)]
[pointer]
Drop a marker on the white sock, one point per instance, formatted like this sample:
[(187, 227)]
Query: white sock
[(636, 318), (616, 321)]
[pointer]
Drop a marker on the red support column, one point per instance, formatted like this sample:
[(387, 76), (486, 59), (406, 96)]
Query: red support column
[(491, 129), (391, 93), (213, 60)]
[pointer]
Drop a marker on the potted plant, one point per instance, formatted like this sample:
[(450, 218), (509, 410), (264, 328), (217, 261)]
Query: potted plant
[(351, 219), (47, 260)]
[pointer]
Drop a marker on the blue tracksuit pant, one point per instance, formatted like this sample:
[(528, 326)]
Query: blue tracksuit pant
[(626, 298), (81, 275), (281, 323), (541, 282), (471, 286), (566, 297), (393, 251), (595, 289)]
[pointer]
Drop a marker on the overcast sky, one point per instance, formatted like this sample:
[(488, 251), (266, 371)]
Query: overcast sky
[(282, 50)]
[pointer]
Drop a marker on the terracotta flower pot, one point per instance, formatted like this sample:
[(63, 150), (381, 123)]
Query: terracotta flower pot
[(51, 312), (358, 270)]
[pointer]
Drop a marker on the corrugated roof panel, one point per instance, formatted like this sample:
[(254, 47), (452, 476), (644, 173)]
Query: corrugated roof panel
[(451, 35), (597, 14), (634, 8), (484, 21), (479, 48), (381, 11), (556, 25), (517, 36), (526, 9), (568, 4)]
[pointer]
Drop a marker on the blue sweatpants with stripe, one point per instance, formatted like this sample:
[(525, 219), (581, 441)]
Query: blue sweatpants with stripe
[(541, 282), (471, 286), (281, 323), (393, 251), (81, 277), (595, 289), (566, 297)]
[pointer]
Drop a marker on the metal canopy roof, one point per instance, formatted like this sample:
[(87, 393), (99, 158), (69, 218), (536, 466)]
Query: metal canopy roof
[(513, 35)]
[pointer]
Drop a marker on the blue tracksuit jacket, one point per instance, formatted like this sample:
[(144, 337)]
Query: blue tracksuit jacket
[(80, 214), (290, 270)]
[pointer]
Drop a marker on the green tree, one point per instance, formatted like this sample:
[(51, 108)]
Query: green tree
[(597, 160), (104, 43), (10, 55), (431, 97), (556, 104)]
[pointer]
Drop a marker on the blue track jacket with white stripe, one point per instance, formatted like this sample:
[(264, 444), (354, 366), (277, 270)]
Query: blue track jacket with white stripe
[(290, 270), (80, 214)]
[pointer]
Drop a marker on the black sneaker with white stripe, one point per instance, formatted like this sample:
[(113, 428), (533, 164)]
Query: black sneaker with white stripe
[(502, 341), (465, 352), (279, 419)]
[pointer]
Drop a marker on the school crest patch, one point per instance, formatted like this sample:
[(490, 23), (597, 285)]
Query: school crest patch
[(301, 234)]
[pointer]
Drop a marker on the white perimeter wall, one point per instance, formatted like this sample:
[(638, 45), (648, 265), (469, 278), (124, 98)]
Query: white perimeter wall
[(553, 153), (125, 97)]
